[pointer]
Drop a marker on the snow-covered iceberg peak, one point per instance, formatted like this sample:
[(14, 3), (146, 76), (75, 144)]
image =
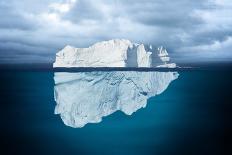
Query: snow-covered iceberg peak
[(86, 97), (112, 53)]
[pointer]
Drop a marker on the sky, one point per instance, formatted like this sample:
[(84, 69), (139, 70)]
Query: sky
[(32, 31)]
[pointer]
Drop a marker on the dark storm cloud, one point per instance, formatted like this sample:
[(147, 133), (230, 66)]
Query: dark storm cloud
[(153, 13), (12, 19), (208, 37), (84, 10), (35, 30), (164, 13)]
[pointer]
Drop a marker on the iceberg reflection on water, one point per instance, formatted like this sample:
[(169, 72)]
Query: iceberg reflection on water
[(86, 97)]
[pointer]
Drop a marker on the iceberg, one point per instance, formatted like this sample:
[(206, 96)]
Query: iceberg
[(113, 53), (86, 97)]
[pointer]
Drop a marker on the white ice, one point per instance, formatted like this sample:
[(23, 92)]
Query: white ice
[(86, 97), (114, 53)]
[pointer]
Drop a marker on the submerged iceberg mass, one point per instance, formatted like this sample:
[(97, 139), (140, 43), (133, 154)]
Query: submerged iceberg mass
[(86, 97), (113, 53)]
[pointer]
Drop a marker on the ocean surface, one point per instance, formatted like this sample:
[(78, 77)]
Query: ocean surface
[(191, 117)]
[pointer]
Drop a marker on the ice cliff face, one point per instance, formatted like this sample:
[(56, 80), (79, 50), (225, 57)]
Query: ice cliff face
[(86, 97), (113, 53)]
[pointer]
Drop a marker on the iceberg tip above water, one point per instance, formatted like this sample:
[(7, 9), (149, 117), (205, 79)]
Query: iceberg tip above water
[(113, 53)]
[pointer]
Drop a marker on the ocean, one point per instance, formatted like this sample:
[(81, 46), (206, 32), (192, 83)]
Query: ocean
[(191, 117)]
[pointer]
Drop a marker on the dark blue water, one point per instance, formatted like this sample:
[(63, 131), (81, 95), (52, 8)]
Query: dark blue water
[(191, 117)]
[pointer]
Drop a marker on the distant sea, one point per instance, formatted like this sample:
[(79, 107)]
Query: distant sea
[(192, 117)]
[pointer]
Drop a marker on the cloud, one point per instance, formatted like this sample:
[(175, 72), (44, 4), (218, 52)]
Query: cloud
[(38, 29), (13, 19), (63, 7), (217, 50)]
